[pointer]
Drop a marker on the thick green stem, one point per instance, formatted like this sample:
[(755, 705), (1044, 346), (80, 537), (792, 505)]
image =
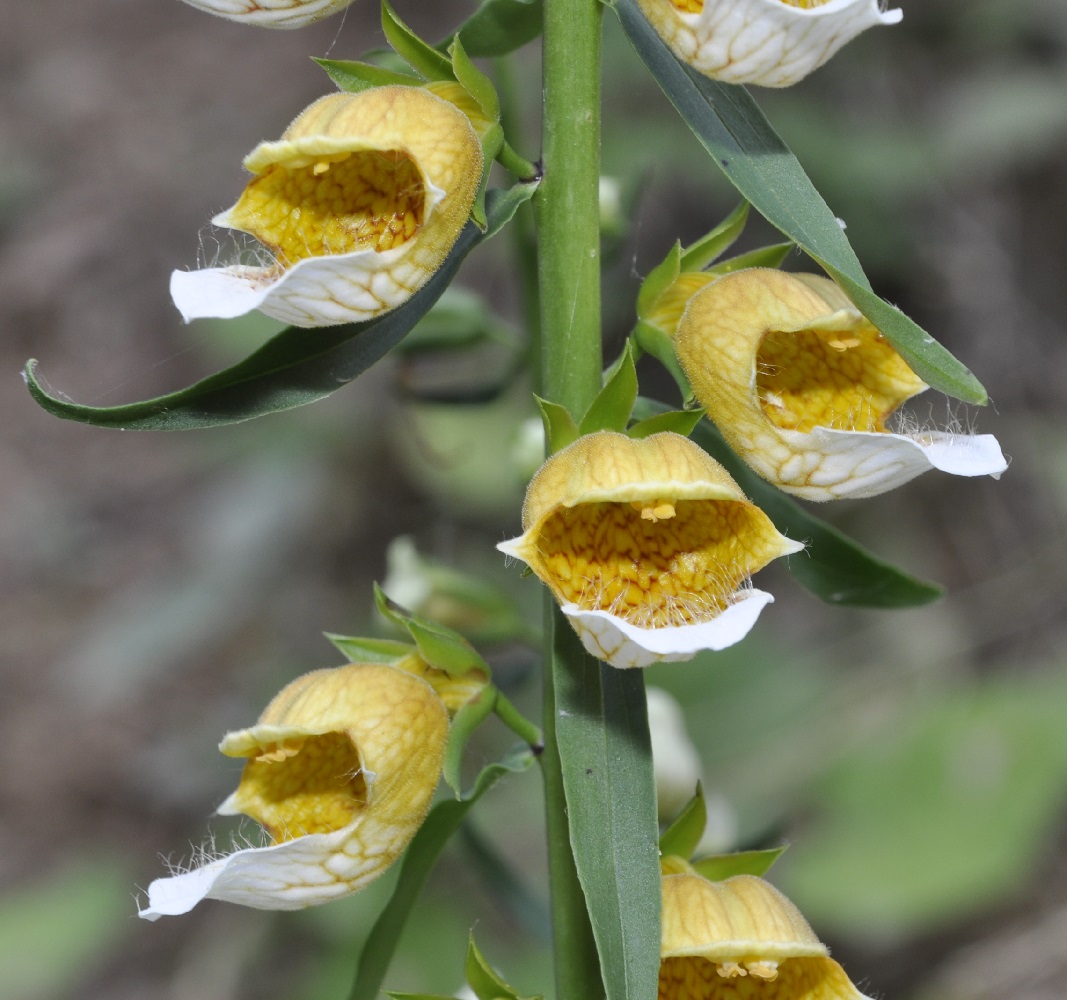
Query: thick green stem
[(567, 213), (567, 205)]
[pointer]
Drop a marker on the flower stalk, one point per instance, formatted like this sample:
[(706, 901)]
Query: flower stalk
[(568, 230)]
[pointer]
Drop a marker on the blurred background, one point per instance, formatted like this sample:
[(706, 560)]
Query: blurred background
[(156, 590)]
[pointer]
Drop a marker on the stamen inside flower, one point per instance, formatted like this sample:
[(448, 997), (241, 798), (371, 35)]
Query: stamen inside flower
[(654, 510), (694, 978), (336, 204), (312, 784), (653, 563), (847, 380)]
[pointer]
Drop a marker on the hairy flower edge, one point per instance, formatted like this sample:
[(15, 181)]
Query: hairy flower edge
[(647, 545), (342, 767), (358, 204)]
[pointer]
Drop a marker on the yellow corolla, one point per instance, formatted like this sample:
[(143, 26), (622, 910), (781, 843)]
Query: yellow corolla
[(341, 769), (801, 384), (647, 545), (773, 43), (357, 204), (272, 13), (740, 939)]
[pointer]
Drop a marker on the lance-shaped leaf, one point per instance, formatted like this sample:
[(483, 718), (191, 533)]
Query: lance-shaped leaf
[(498, 27), (484, 979), (419, 55), (362, 650), (610, 411), (440, 647), (718, 867), (560, 427), (352, 76), (683, 835), (606, 757), (732, 128), (294, 368)]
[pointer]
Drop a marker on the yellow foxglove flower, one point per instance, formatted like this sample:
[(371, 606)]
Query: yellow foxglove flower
[(800, 384), (773, 43), (272, 13), (358, 203), (647, 545), (740, 939), (341, 769)]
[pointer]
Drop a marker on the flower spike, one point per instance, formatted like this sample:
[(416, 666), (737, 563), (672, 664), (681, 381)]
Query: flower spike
[(773, 43), (359, 203), (341, 769), (800, 383), (272, 13), (740, 938), (647, 545)]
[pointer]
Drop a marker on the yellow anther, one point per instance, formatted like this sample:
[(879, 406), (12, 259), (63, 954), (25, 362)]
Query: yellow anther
[(320, 168), (763, 970), (730, 970), (657, 510), (843, 344)]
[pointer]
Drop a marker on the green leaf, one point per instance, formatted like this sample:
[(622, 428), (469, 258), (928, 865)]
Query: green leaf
[(498, 27), (679, 421), (697, 256), (469, 717), (680, 839), (723, 866), (503, 203), (352, 77), (292, 369), (474, 81), (602, 735), (422, 853), (611, 409), (832, 566), (483, 979), (438, 646), (417, 996), (654, 341), (360, 650), (420, 55), (659, 279), (771, 256), (560, 427), (730, 125)]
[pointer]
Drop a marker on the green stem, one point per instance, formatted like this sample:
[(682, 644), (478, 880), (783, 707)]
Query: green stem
[(567, 204), (566, 208), (518, 723)]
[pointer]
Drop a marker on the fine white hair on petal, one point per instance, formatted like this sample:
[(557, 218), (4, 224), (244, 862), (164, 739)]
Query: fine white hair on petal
[(856, 464), (620, 644)]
